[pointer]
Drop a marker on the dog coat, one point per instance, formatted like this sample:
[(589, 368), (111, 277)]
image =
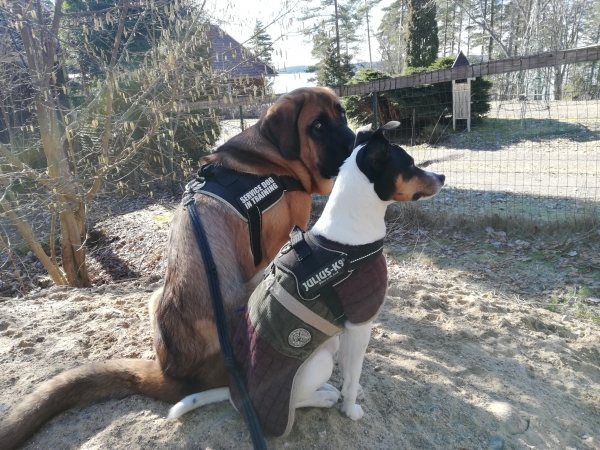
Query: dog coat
[(312, 287)]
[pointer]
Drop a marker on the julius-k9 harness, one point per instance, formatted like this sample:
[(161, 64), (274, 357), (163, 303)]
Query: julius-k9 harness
[(311, 288)]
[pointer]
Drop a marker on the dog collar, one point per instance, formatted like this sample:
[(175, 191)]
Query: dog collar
[(246, 194)]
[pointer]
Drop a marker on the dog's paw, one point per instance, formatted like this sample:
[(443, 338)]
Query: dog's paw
[(320, 399), (354, 411), (329, 398), (328, 387)]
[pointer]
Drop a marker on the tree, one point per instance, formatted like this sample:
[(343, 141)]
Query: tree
[(422, 34), (331, 70), (125, 112), (262, 45), (332, 21), (390, 37), (366, 11)]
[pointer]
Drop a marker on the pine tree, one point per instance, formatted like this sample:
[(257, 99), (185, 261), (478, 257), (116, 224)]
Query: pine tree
[(422, 40), (262, 45), (390, 37), (331, 70)]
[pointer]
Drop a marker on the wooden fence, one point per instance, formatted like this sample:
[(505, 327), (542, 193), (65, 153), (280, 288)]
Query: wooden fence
[(497, 66)]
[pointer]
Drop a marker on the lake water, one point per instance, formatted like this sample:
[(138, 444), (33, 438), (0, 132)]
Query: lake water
[(287, 82)]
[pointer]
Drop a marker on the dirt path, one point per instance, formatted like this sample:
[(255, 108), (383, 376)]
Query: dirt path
[(487, 341)]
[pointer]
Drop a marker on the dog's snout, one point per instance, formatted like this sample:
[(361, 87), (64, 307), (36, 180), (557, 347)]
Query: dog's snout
[(442, 178)]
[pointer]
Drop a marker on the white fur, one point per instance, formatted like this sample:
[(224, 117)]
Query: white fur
[(197, 400), (354, 213)]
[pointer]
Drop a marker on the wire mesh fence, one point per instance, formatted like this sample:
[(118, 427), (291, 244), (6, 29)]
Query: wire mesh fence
[(527, 156)]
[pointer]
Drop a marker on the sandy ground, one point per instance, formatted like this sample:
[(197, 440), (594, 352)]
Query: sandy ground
[(464, 356)]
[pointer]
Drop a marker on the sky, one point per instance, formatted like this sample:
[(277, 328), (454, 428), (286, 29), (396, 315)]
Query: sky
[(291, 49)]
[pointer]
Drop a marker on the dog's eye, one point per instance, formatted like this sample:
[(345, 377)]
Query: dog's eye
[(318, 125)]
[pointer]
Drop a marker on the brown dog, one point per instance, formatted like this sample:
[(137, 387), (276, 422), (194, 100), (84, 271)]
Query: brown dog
[(303, 135)]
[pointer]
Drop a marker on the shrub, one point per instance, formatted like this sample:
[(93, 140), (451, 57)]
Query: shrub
[(430, 103)]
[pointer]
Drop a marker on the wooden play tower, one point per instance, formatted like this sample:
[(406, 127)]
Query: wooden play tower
[(461, 94)]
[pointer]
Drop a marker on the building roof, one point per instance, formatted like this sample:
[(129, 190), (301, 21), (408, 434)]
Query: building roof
[(231, 56), (461, 60)]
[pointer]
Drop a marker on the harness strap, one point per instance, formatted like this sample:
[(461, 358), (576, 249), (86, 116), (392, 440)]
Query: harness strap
[(299, 244), (212, 275), (301, 311), (233, 187)]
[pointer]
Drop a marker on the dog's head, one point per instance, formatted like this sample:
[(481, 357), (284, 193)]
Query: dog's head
[(310, 124), (392, 170)]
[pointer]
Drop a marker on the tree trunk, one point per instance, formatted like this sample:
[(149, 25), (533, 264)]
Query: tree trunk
[(558, 82), (32, 241), (72, 250), (337, 29), (446, 27), (492, 27), (72, 212)]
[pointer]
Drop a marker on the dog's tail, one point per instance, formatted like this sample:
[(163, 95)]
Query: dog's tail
[(87, 384), (197, 400)]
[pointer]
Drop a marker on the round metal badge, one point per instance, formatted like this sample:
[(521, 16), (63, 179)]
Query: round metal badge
[(299, 337)]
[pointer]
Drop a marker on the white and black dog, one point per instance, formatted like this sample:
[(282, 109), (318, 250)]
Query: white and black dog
[(321, 294)]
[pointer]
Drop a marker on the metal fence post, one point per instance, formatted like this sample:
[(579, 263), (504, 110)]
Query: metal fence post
[(241, 118), (375, 111)]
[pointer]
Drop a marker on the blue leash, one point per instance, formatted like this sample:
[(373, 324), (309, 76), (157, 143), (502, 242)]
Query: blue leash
[(258, 440)]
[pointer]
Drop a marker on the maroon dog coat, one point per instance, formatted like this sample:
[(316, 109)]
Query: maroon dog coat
[(313, 286)]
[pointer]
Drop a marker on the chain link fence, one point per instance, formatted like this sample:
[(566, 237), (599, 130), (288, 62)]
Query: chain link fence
[(528, 158)]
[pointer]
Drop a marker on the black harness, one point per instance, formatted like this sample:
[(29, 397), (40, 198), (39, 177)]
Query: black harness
[(248, 195), (318, 265)]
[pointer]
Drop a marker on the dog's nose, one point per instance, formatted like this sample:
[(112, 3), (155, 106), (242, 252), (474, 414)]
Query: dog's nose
[(442, 178)]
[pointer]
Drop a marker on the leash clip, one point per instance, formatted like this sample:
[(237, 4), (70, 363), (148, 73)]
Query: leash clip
[(191, 199)]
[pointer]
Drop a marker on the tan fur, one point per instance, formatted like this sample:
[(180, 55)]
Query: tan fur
[(186, 343), (405, 190), (79, 386)]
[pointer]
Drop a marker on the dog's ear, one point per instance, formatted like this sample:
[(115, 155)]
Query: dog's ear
[(373, 157), (362, 135), (280, 125), (389, 126)]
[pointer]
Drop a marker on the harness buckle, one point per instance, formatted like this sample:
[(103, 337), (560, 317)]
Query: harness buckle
[(189, 200)]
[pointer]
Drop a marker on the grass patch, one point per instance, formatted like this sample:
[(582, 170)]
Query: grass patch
[(162, 218), (585, 312), (515, 130), (584, 293), (436, 216)]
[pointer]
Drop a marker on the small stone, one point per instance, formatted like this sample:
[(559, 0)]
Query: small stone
[(286, 444), (3, 325), (496, 244), (573, 253), (322, 434), (508, 417), (503, 323), (377, 369), (496, 443)]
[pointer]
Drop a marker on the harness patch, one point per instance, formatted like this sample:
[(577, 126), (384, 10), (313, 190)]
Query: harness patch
[(260, 192), (299, 338), (325, 275)]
